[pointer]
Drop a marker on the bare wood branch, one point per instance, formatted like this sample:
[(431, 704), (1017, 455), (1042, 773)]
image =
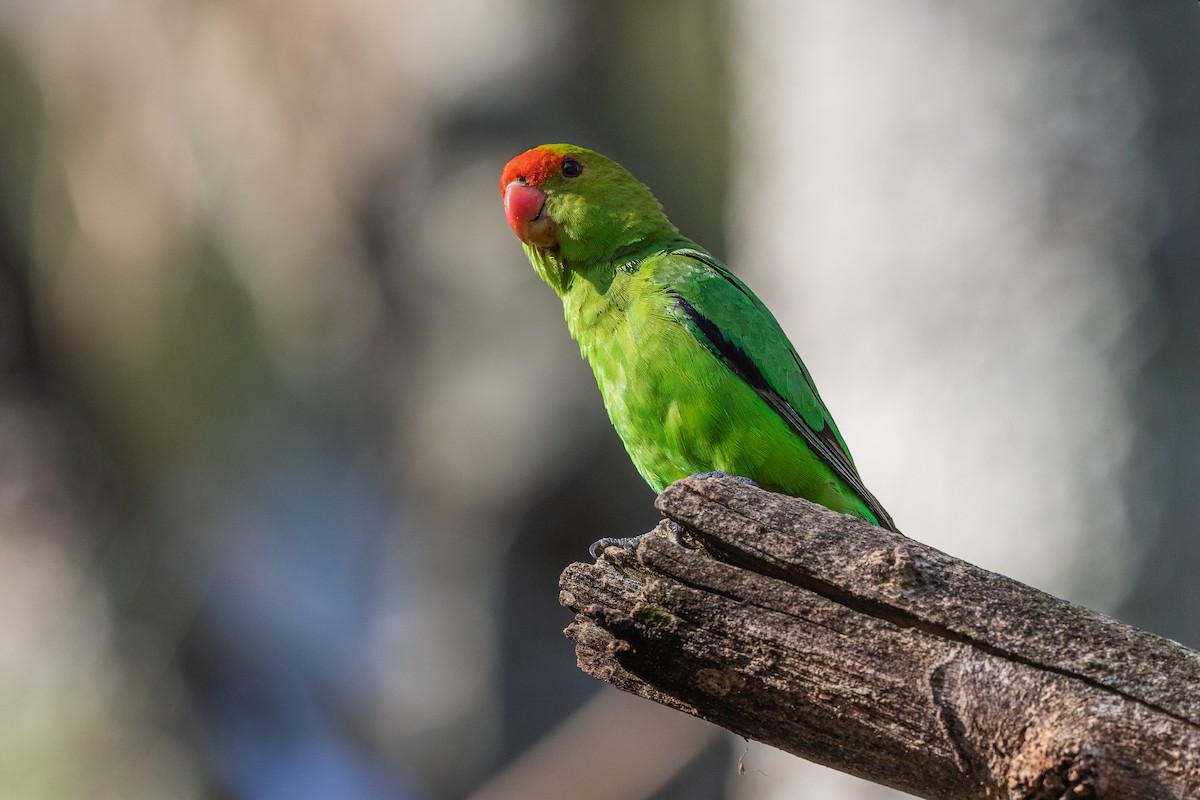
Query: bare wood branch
[(871, 653)]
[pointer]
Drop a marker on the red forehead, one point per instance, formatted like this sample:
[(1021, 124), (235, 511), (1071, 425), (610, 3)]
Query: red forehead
[(533, 165)]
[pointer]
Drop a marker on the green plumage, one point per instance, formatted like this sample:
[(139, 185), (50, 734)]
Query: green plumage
[(695, 372)]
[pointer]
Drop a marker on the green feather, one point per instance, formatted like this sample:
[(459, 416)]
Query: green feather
[(695, 372)]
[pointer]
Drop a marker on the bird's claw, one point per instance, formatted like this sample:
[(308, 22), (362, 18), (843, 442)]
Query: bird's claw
[(628, 544), (675, 532)]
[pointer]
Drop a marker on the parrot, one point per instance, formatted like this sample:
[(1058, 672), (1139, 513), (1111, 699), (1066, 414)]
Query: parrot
[(695, 372)]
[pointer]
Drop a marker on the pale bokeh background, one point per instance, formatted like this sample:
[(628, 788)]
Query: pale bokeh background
[(293, 443)]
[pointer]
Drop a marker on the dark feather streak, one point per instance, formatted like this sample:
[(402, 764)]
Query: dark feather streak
[(823, 442)]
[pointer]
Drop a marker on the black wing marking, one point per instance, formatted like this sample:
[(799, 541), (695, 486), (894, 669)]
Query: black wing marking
[(823, 442)]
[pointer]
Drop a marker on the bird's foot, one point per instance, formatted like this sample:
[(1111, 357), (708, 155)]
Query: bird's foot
[(628, 544), (720, 474), (676, 532)]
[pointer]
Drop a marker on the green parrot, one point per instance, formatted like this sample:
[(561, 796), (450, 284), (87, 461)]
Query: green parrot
[(696, 374)]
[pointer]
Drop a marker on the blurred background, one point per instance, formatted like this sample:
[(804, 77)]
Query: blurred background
[(294, 444)]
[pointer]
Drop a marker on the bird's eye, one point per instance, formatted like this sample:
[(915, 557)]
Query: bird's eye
[(571, 168)]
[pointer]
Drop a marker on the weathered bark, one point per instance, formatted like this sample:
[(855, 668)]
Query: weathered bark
[(871, 653)]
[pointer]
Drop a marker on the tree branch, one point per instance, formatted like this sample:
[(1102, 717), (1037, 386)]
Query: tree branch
[(869, 652)]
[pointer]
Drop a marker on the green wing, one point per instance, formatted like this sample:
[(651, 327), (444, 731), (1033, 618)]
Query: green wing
[(732, 323)]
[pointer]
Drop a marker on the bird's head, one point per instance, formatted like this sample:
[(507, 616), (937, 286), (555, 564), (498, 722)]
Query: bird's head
[(576, 206)]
